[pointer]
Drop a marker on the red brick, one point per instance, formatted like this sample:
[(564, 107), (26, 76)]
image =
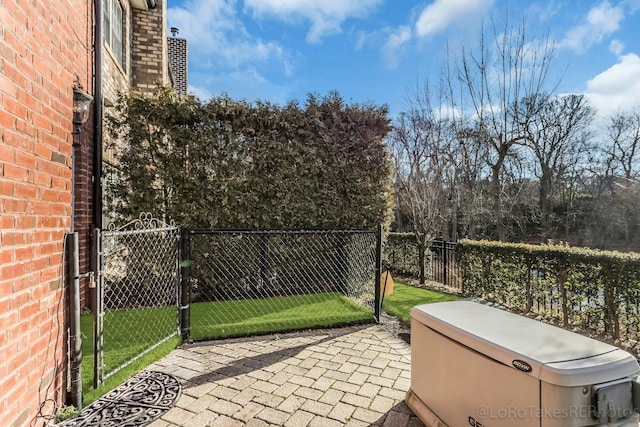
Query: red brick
[(48, 195), (6, 85), (46, 166), (40, 50), (40, 263), (48, 222), (12, 271), (12, 238), (25, 252), (23, 283), (29, 310), (17, 331), (26, 128), (40, 208), (65, 197), (42, 150), (15, 206), (8, 320), (6, 256), (26, 191), (15, 108), (14, 172), (47, 327), (7, 153), (57, 235), (49, 274), (16, 139), (63, 133), (38, 346), (30, 101), (8, 383), (18, 391), (7, 119), (26, 221), (27, 160), (12, 72), (41, 178), (7, 188), (60, 183)]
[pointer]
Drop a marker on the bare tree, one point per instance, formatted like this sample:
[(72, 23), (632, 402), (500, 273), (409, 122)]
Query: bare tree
[(496, 77), (622, 154), (624, 135), (557, 137), (469, 189), (420, 152)]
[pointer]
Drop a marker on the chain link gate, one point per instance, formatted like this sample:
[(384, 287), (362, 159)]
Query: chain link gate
[(137, 292), (241, 282)]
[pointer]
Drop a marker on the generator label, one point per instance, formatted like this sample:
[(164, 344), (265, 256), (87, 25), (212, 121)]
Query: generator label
[(521, 365)]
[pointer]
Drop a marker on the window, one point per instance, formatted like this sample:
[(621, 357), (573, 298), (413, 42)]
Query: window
[(113, 28)]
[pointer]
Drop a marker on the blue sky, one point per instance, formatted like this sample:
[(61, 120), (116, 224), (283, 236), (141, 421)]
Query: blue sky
[(376, 50)]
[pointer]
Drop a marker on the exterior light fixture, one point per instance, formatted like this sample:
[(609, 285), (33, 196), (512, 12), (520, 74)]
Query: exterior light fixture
[(81, 105)]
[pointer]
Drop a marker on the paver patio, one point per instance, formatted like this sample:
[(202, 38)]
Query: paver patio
[(353, 376)]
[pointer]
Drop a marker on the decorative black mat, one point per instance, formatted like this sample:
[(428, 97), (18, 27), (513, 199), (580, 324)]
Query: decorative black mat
[(139, 401)]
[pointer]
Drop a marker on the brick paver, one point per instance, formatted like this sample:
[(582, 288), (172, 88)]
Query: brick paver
[(352, 376)]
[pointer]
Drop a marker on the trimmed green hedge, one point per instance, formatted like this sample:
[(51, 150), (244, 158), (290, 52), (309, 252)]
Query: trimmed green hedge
[(584, 287)]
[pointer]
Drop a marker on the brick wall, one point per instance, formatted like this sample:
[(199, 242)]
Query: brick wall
[(43, 45), (149, 53), (178, 55), (83, 218)]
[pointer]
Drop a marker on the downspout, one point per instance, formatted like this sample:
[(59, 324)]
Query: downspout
[(98, 48), (97, 154), (97, 133)]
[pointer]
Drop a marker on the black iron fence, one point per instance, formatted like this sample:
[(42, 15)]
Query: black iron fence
[(401, 255), (444, 268)]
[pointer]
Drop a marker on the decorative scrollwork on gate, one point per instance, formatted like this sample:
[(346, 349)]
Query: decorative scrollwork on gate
[(145, 221)]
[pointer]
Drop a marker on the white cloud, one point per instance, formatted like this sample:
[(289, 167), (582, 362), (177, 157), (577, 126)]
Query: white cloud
[(544, 12), (616, 47), (618, 87), (633, 5), (245, 83), (200, 92), (214, 30), (602, 20), (394, 45), (438, 15), (326, 16)]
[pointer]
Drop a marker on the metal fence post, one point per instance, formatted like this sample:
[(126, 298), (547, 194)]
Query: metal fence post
[(378, 273), (98, 313), (75, 340), (265, 265), (185, 278)]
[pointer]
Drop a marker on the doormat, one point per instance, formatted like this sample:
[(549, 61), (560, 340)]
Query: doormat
[(142, 399)]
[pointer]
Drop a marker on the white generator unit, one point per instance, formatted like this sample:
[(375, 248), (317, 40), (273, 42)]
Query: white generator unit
[(475, 365)]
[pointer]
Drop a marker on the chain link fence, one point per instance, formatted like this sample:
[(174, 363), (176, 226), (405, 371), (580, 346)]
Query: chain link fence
[(156, 280), (246, 282), (137, 292)]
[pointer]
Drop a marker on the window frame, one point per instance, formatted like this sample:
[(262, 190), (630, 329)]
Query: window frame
[(113, 29)]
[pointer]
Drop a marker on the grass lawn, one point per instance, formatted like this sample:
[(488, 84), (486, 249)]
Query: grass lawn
[(129, 332), (405, 297), (211, 320)]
